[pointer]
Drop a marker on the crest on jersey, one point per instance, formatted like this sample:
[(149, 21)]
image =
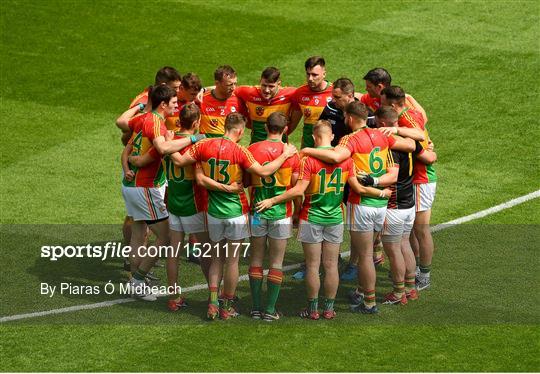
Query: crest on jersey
[(233, 109), (259, 110), (307, 112), (214, 122)]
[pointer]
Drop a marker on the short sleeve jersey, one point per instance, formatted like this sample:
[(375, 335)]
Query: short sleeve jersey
[(214, 111), (413, 119), (224, 161), (184, 197), (370, 150), (146, 127), (311, 103), (259, 108), (324, 194), (276, 184)]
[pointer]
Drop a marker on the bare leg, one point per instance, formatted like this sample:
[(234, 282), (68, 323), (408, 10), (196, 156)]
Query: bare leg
[(312, 255), (330, 253)]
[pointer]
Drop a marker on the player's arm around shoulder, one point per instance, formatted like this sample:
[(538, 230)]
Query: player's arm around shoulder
[(122, 122), (270, 168), (425, 155), (397, 143), (330, 156)]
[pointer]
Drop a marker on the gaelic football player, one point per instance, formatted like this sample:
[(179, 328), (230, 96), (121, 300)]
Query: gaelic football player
[(376, 80), (309, 100), (218, 102), (272, 228), (425, 183), (145, 192), (261, 101)]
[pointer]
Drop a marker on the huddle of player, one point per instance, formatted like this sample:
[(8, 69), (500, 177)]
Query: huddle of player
[(182, 136)]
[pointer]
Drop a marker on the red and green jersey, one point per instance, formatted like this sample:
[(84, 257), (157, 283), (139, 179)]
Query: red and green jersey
[(145, 128), (422, 173), (374, 103), (184, 197), (214, 111), (311, 103), (276, 184), (324, 194), (259, 108), (370, 150), (224, 161)]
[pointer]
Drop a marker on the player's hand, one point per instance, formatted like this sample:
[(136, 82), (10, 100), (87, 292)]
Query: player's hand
[(196, 138), (169, 135), (388, 131), (386, 193), (365, 179), (129, 175), (135, 160), (304, 152), (289, 150), (235, 187), (263, 205)]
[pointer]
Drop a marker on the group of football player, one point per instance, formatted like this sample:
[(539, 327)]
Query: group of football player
[(187, 179)]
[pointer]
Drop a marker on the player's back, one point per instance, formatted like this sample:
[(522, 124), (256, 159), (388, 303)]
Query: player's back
[(370, 151), (324, 194), (267, 187), (185, 197), (224, 161)]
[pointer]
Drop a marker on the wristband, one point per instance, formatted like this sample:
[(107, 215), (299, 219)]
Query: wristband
[(195, 138), (375, 181)]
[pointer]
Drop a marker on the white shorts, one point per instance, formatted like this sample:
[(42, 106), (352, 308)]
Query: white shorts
[(424, 195), (145, 204), (275, 229), (236, 228), (190, 224), (365, 218), (312, 233), (398, 222)]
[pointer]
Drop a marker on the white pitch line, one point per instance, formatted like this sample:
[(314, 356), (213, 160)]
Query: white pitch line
[(198, 287)]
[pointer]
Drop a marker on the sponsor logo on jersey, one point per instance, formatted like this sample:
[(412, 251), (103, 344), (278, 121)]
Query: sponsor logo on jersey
[(259, 110), (305, 99), (210, 109)]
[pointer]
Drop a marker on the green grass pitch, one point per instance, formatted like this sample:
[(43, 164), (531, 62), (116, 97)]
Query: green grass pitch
[(68, 69)]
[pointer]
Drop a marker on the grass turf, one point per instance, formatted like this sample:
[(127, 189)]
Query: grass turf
[(68, 69)]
